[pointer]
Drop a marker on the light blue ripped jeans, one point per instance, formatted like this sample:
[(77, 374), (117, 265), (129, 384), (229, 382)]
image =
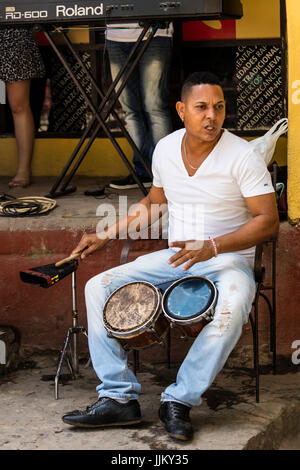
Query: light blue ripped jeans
[(234, 280)]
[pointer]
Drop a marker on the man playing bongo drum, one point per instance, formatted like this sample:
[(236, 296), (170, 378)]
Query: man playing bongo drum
[(201, 165)]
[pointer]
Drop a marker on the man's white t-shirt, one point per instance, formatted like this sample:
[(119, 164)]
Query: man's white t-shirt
[(129, 32), (212, 201)]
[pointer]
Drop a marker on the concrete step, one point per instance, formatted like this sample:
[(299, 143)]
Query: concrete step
[(228, 418)]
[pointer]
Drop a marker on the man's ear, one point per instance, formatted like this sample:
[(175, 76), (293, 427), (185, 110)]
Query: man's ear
[(180, 109)]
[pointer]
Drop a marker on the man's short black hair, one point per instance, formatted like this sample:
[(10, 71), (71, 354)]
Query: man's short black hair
[(199, 78)]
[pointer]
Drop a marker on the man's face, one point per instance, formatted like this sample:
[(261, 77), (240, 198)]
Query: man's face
[(203, 112)]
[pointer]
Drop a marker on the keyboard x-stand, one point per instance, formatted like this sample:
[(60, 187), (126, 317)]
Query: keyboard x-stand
[(154, 14), (101, 113)]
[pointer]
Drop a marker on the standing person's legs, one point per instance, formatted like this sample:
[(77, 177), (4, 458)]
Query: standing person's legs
[(130, 98), (18, 94), (144, 100), (154, 70)]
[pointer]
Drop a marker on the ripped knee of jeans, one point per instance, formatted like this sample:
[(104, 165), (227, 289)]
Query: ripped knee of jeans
[(222, 320), (108, 276), (106, 279)]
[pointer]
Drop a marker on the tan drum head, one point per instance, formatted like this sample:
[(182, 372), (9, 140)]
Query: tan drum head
[(130, 307)]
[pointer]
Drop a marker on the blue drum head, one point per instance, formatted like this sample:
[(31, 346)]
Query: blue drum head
[(188, 298)]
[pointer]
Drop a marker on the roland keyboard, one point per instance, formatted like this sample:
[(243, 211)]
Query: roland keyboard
[(90, 11)]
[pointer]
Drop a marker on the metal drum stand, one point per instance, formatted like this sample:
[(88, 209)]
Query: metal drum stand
[(70, 354)]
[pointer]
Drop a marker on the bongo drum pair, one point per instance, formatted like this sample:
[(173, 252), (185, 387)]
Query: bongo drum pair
[(139, 315)]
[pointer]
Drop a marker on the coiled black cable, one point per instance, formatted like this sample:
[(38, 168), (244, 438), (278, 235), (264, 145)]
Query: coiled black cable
[(25, 206), (19, 208)]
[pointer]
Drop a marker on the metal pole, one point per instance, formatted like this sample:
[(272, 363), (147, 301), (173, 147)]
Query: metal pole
[(74, 323)]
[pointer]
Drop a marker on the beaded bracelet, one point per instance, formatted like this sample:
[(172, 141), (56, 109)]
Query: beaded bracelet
[(214, 245)]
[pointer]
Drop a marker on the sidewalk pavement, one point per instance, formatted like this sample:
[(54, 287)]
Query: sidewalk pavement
[(228, 419)]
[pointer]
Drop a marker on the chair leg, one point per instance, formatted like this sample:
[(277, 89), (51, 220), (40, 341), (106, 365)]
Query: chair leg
[(256, 351), (254, 325), (253, 336), (274, 339), (271, 320), (274, 349), (272, 312)]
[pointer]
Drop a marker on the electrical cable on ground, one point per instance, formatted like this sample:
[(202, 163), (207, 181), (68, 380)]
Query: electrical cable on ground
[(25, 206)]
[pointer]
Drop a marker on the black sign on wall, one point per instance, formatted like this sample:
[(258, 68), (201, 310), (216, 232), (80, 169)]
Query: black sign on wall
[(259, 86), (69, 112)]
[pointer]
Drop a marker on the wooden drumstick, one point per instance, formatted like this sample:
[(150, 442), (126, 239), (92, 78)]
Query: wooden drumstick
[(70, 258)]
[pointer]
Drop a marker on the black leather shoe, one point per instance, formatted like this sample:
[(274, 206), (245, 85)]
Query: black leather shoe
[(105, 412), (176, 418)]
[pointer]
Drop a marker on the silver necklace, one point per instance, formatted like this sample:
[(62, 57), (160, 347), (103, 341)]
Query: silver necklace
[(185, 155)]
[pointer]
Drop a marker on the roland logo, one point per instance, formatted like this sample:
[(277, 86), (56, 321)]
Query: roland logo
[(76, 10)]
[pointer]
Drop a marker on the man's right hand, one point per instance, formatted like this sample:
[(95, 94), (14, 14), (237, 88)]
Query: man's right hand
[(88, 244)]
